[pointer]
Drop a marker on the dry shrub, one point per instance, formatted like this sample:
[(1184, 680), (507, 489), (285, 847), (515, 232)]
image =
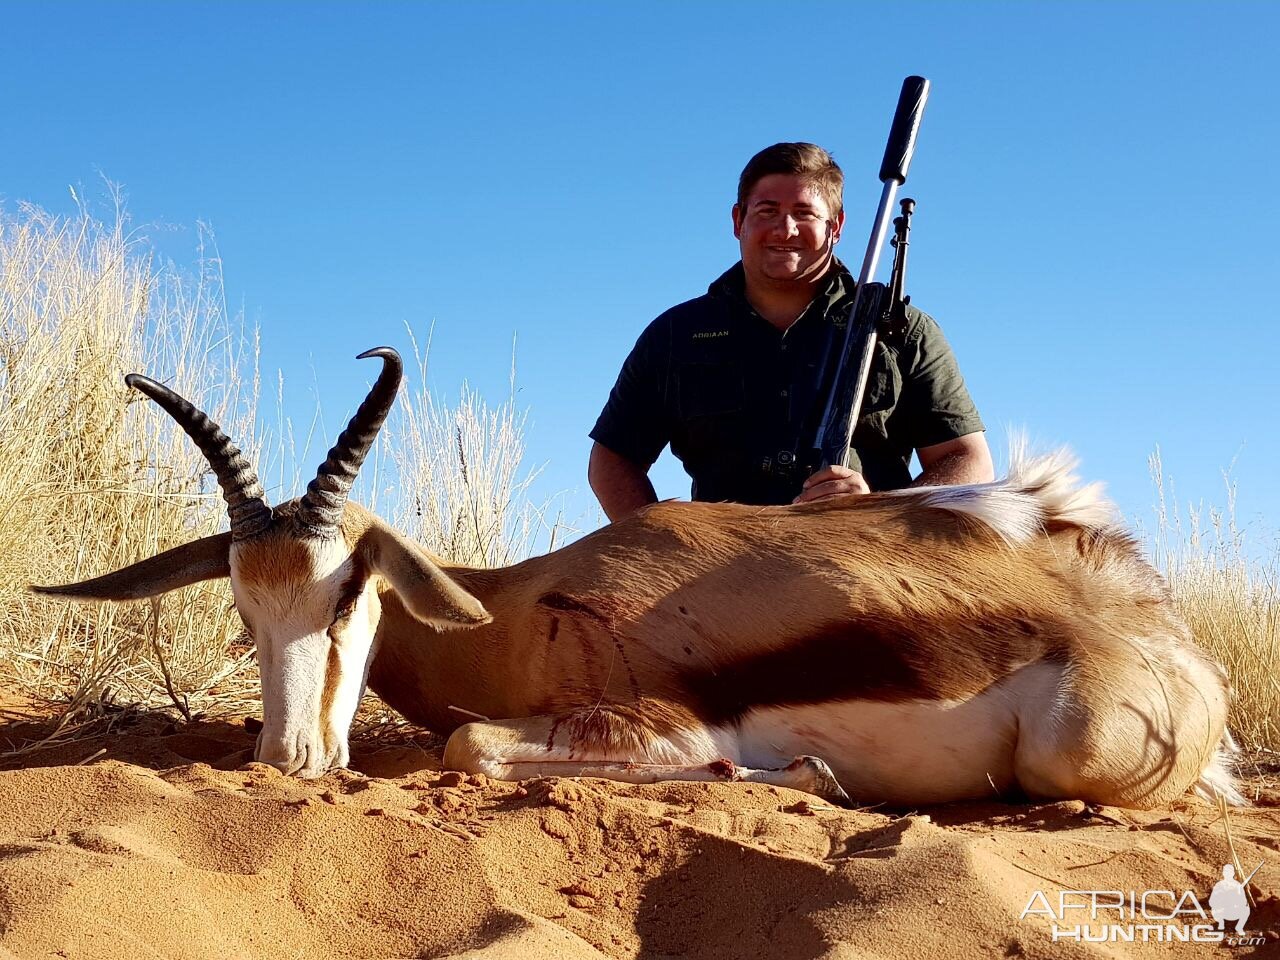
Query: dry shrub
[(1231, 600), (96, 477), (461, 492)]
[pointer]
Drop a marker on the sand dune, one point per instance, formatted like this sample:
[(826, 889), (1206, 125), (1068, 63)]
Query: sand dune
[(171, 845)]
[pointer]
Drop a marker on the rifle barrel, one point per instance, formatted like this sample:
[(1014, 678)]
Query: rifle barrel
[(878, 231)]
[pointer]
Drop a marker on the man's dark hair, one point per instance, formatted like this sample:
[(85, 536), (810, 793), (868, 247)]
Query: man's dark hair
[(806, 160)]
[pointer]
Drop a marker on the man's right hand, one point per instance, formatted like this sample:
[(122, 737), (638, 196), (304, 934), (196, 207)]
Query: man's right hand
[(832, 481)]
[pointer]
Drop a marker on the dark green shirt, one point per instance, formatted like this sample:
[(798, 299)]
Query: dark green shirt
[(735, 396)]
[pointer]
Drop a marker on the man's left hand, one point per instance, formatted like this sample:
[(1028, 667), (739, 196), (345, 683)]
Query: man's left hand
[(832, 481)]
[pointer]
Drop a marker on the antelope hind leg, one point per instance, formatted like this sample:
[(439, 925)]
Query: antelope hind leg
[(1140, 740), (614, 748)]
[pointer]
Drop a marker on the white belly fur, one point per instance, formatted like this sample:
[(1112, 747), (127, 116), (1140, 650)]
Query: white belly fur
[(919, 751)]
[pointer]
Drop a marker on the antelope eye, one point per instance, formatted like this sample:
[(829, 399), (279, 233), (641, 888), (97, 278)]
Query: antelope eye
[(348, 600)]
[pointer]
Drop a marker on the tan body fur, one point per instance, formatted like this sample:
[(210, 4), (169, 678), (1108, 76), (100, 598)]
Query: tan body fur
[(711, 614)]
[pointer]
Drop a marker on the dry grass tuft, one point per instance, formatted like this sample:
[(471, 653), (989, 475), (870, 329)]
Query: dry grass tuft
[(1232, 603), (95, 477), (462, 493)]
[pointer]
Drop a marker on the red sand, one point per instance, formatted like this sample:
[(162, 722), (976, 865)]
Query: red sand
[(171, 844)]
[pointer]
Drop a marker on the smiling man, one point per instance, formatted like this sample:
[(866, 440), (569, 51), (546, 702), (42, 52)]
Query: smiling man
[(731, 379)]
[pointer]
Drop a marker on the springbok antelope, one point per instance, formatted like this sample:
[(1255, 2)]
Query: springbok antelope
[(913, 647)]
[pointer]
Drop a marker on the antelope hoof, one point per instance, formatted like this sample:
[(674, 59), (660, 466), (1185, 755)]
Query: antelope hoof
[(823, 782)]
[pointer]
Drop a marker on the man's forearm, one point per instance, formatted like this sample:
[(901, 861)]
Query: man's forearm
[(965, 459), (622, 500), (955, 468), (621, 486)]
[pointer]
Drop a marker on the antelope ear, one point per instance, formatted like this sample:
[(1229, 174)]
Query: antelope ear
[(422, 586), (205, 559)]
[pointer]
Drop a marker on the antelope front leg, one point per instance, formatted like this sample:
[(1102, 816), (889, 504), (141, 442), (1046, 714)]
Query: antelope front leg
[(602, 744)]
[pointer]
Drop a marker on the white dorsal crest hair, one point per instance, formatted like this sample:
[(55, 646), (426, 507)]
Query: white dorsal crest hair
[(911, 647)]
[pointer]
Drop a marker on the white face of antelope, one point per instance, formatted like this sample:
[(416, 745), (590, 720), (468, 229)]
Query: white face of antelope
[(313, 614)]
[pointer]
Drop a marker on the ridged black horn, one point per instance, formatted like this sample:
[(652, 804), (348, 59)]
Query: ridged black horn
[(246, 501), (320, 509)]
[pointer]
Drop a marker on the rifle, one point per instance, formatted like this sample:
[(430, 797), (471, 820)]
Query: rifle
[(877, 310)]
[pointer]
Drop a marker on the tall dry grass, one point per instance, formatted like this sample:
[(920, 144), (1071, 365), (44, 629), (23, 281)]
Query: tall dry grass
[(93, 477), (461, 489), (1230, 597)]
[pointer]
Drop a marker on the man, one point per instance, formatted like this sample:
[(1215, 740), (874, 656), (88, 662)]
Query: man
[(731, 379)]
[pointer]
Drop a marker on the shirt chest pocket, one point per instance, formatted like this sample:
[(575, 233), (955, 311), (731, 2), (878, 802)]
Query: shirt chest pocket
[(710, 390)]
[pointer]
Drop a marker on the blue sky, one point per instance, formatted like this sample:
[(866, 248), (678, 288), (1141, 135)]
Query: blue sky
[(1096, 187)]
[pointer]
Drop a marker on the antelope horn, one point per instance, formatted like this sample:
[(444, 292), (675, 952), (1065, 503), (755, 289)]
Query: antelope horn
[(320, 509), (246, 503)]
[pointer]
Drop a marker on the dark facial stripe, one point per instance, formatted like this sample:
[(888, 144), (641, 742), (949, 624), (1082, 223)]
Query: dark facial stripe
[(353, 586), (331, 674), (347, 597)]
